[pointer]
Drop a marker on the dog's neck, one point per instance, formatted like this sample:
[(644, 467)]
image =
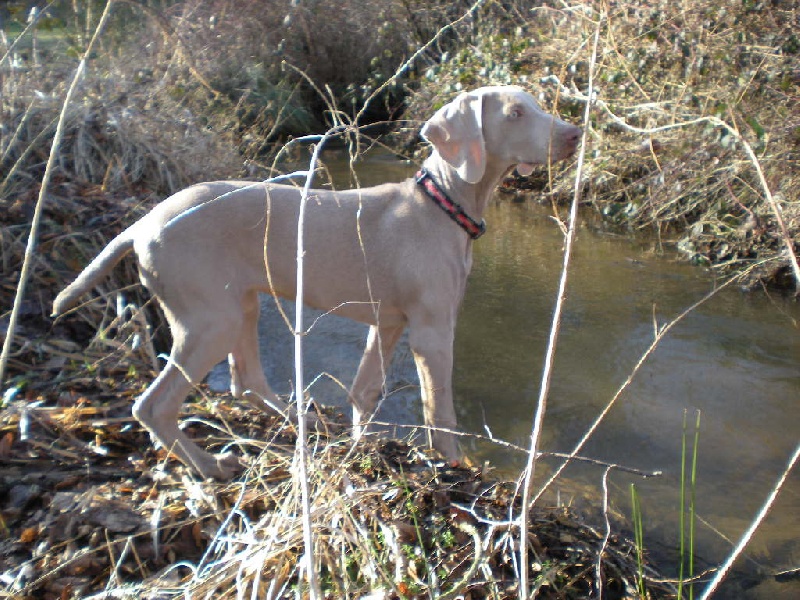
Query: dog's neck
[(473, 197)]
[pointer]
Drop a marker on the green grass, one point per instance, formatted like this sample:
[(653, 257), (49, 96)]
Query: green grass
[(638, 537), (686, 568)]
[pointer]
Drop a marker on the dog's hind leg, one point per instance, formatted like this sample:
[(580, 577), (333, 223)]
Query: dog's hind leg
[(158, 407)]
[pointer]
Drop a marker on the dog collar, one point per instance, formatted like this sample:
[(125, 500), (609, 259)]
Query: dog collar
[(453, 209)]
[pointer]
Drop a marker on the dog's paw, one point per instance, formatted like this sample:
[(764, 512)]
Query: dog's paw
[(228, 466)]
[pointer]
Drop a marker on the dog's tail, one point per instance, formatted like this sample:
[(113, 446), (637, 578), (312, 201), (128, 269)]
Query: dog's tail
[(96, 270)]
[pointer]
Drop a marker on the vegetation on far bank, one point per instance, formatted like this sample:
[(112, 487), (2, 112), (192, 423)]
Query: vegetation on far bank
[(663, 64)]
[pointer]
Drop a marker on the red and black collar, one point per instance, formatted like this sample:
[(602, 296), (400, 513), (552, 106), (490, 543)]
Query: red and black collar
[(453, 209)]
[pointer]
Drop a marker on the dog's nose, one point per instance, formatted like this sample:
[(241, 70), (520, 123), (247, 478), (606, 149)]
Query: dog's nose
[(573, 135)]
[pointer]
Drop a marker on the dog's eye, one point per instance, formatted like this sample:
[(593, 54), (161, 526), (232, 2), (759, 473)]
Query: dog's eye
[(515, 113)]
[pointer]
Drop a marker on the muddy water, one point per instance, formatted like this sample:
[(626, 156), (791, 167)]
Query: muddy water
[(736, 359)]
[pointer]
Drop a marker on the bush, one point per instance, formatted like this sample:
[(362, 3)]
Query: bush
[(278, 63)]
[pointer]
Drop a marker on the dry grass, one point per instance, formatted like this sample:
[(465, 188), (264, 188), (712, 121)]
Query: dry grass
[(115, 138), (88, 506), (124, 147), (91, 509)]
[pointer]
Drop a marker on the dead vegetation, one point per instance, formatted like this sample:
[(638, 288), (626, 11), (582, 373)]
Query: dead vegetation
[(90, 509), (657, 162)]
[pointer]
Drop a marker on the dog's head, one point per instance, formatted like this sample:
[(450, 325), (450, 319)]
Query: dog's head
[(500, 123)]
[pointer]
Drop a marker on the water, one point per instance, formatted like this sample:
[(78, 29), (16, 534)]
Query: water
[(736, 359)]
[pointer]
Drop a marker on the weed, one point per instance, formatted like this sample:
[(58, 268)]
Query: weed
[(638, 537), (687, 505)]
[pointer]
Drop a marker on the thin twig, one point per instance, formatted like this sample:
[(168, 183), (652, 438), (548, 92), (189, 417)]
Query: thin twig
[(299, 333), (723, 570), (178, 45), (410, 61), (554, 331), (716, 122), (33, 23), (458, 588), (510, 446), (598, 579), (662, 332)]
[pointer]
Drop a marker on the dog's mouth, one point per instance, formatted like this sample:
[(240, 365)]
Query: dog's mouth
[(525, 169)]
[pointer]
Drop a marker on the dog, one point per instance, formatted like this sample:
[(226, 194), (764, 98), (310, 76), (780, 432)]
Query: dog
[(392, 256)]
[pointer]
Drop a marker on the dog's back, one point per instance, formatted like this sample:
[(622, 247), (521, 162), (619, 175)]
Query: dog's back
[(152, 222)]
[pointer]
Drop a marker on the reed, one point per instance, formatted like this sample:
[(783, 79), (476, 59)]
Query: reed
[(638, 537), (688, 498)]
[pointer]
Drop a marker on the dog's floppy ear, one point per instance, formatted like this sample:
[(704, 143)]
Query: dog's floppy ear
[(456, 131)]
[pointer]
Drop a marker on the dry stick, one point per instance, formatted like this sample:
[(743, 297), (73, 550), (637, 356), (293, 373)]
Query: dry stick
[(35, 21), (776, 209), (551, 346), (180, 48), (599, 565), (752, 529), (375, 93), (660, 334), (308, 534), (515, 448), (298, 329), (30, 248), (401, 69), (29, 149)]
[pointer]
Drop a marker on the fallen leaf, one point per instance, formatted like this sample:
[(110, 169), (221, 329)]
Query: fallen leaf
[(5, 444), (29, 535)]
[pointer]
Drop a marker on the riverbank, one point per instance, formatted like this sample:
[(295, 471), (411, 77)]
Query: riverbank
[(89, 507)]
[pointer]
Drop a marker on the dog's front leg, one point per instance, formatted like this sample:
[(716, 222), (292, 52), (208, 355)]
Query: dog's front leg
[(432, 346), (371, 375)]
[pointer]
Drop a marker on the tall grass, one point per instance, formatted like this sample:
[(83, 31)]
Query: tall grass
[(687, 507), (53, 154), (638, 537)]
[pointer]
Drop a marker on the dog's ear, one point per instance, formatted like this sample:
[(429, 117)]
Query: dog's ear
[(456, 131)]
